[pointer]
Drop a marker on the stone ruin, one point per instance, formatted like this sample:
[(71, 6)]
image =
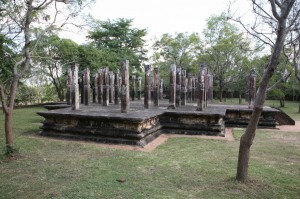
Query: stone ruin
[(114, 118), (109, 87)]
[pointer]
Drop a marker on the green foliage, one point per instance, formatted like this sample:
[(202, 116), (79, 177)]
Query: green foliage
[(226, 54), (118, 41), (92, 57), (6, 63), (180, 49)]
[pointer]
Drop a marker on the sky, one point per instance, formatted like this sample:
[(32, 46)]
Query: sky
[(162, 16)]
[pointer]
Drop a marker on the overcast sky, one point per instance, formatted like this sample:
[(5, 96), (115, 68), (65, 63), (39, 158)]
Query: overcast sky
[(163, 16)]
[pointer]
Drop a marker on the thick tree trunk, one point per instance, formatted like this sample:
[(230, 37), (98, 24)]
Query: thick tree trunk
[(9, 129)]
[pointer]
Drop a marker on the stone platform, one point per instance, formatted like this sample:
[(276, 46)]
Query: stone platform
[(140, 126)]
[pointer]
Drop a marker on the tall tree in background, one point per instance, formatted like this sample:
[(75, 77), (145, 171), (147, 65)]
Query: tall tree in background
[(226, 49), (276, 18), (181, 49), (52, 57), (119, 41), (19, 20)]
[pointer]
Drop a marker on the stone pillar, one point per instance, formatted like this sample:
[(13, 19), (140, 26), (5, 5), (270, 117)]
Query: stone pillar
[(81, 87), (189, 88), (200, 93), (69, 87), (111, 86), (161, 89), (105, 86), (178, 86), (172, 87), (183, 87), (133, 88), (87, 88), (117, 87), (155, 86), (251, 83), (125, 87), (139, 87), (210, 87), (75, 88), (193, 89), (95, 90), (100, 86), (147, 95)]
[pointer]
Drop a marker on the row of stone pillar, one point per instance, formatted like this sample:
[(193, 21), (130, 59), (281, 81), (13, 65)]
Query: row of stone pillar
[(106, 87), (183, 87), (111, 87)]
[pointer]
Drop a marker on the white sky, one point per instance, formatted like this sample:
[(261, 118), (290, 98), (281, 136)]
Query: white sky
[(161, 16)]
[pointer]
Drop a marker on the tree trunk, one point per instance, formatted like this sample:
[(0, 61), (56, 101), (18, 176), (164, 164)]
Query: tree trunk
[(221, 94), (240, 97), (9, 129), (299, 107), (248, 137), (282, 102), (245, 144)]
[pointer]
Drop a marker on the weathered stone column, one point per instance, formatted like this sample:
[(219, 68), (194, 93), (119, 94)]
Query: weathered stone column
[(111, 86), (100, 86), (178, 86), (125, 87), (200, 93), (87, 88), (210, 87), (147, 87), (105, 86), (155, 86), (161, 89), (133, 88), (139, 87), (95, 88), (183, 87), (75, 88), (193, 89), (189, 88), (69, 87), (117, 87), (172, 87), (251, 83), (81, 87)]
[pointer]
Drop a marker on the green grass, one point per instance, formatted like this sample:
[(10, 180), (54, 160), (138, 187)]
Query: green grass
[(180, 168)]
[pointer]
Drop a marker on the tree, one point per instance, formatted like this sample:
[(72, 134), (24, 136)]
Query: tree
[(52, 57), (181, 49), (119, 41), (280, 22), (19, 20), (226, 51)]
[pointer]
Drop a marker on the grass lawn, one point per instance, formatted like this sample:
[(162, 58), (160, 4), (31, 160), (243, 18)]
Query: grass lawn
[(180, 168)]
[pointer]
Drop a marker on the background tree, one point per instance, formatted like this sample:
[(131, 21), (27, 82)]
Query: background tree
[(181, 49), (19, 20), (226, 50), (52, 58), (277, 21), (118, 41)]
